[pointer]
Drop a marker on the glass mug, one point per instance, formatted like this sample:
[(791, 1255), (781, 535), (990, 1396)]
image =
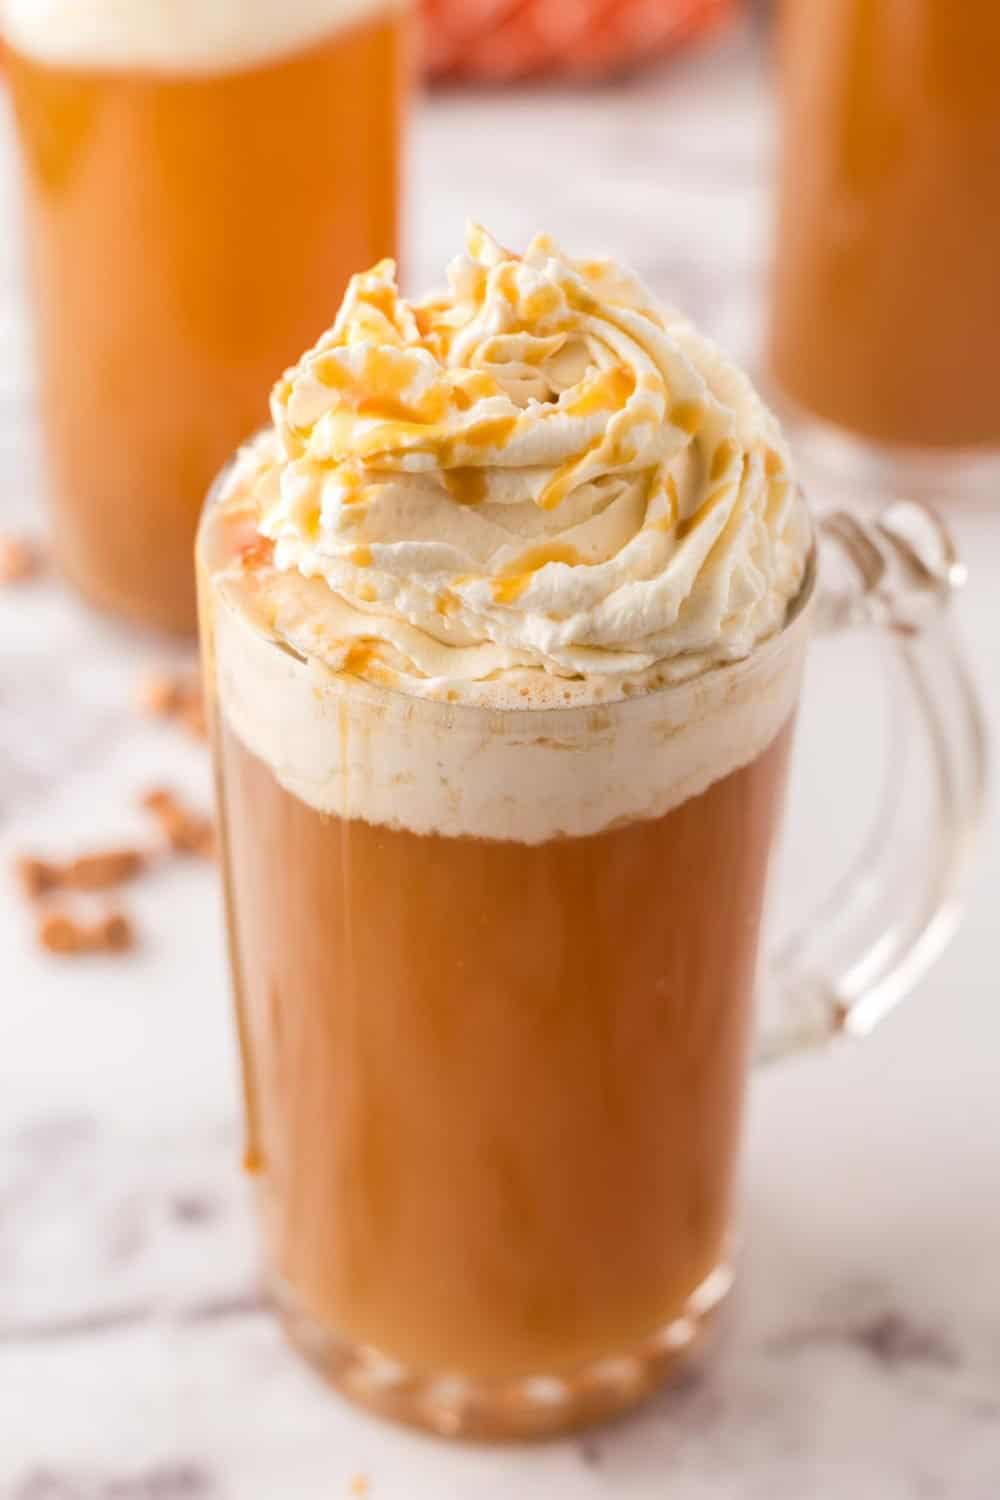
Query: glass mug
[(885, 331), (493, 1085), (199, 183)]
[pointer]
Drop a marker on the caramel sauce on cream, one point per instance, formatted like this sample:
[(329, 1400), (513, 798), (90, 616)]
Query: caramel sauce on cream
[(539, 471)]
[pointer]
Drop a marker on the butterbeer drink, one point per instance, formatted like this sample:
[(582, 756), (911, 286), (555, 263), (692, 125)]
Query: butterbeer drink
[(200, 179), (886, 320), (501, 622)]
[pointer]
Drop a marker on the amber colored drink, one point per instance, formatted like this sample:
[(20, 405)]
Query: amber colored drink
[(886, 296), (493, 1084), (188, 235), (495, 1089)]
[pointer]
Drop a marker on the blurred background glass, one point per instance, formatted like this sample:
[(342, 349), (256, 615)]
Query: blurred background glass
[(886, 311), (190, 231)]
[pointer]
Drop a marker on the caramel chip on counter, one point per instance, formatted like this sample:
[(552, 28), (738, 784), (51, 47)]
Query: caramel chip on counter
[(159, 695), (115, 932), (19, 560), (359, 1486), (177, 698), (37, 876), (59, 933), (62, 934), (59, 929), (186, 832), (98, 871)]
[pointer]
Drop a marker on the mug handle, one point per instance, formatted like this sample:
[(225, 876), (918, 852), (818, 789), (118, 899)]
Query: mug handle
[(893, 913)]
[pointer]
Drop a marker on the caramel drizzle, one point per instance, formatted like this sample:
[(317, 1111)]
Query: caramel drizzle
[(697, 518), (511, 582)]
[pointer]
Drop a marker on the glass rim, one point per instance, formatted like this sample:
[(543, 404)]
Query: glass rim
[(799, 609)]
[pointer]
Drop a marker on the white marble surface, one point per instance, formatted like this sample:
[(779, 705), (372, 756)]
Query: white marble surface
[(136, 1361)]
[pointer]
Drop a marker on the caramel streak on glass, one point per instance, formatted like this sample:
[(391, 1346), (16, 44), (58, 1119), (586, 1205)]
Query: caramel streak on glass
[(198, 188)]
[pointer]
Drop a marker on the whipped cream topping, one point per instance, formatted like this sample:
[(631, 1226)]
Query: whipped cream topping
[(175, 35), (538, 488)]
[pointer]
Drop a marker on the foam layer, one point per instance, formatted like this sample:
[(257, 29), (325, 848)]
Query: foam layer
[(197, 36), (346, 747)]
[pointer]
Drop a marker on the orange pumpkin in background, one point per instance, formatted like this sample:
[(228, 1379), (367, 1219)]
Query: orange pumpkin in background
[(499, 41)]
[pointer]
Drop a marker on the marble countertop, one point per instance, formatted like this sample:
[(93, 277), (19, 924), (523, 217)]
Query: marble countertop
[(137, 1361)]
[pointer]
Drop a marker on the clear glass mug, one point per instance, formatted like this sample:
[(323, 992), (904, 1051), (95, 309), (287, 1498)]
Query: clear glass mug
[(494, 977), (199, 184), (884, 329)]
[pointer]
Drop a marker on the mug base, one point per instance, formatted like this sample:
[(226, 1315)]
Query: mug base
[(532, 1407)]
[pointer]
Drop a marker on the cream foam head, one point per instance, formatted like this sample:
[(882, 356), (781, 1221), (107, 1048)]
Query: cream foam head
[(538, 489), (346, 747), (175, 35)]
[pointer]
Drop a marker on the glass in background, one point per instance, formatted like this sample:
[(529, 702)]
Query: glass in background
[(192, 219), (885, 334)]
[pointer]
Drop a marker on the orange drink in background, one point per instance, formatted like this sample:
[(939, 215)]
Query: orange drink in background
[(199, 182), (886, 317)]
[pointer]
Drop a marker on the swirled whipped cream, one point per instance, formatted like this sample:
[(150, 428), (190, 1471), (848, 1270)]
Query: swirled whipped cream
[(175, 35), (539, 487)]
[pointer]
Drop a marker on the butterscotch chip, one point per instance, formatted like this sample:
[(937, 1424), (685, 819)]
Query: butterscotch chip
[(18, 560), (157, 799), (60, 934), (159, 695), (36, 876), (163, 695), (95, 872), (88, 872), (185, 832), (115, 933), (359, 1486)]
